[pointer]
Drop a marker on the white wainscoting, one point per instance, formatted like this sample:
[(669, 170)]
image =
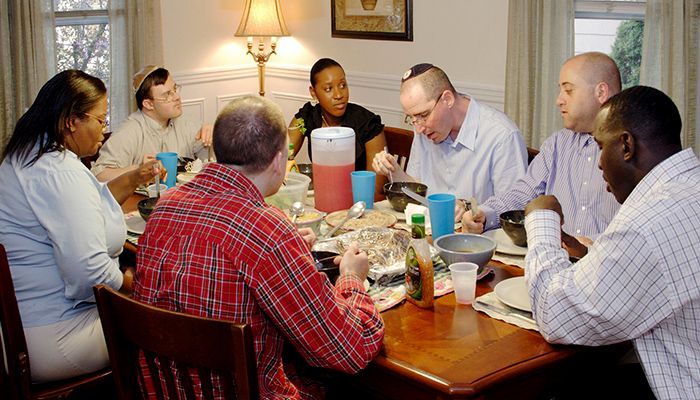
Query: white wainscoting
[(206, 91)]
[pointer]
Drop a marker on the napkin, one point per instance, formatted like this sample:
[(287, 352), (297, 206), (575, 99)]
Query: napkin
[(417, 209), (494, 308)]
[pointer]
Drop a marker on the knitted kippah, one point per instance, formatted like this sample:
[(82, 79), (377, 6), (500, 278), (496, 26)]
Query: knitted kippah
[(415, 71)]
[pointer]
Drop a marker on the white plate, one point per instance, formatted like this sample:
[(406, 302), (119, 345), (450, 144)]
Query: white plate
[(513, 293), (504, 244), (135, 224), (185, 177), (384, 205)]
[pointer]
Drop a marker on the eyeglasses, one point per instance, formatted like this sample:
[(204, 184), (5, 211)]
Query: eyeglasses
[(423, 118), (169, 95), (102, 122)]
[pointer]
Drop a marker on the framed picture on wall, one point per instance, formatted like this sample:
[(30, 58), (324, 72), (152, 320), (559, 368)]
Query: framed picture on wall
[(372, 19)]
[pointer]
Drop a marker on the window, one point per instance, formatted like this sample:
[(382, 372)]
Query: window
[(615, 28), (82, 37)]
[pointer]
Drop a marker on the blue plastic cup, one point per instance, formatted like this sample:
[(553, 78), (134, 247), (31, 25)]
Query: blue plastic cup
[(169, 161), (363, 187), (442, 214)]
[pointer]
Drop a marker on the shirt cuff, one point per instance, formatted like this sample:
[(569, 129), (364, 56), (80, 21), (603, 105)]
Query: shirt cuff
[(543, 228), (491, 218)]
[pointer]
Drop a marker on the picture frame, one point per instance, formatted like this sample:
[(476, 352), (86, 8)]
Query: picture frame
[(372, 19)]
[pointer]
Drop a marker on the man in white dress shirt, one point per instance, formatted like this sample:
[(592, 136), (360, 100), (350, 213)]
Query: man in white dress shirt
[(640, 280), (460, 146)]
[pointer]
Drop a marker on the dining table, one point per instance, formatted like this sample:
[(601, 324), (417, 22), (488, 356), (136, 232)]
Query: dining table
[(452, 351)]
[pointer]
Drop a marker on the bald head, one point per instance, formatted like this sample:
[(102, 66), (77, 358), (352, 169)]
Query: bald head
[(433, 81), (597, 67)]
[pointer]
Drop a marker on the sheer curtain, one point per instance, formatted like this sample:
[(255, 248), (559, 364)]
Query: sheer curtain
[(540, 40), (670, 59), (27, 61), (136, 40)]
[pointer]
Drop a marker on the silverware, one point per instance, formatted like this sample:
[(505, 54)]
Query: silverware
[(355, 211), (475, 208), (506, 311), (415, 196), (297, 210), (391, 176)]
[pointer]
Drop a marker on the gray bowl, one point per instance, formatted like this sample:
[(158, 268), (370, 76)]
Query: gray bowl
[(465, 247)]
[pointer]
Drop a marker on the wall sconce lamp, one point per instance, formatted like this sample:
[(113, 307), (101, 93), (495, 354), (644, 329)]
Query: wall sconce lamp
[(262, 18)]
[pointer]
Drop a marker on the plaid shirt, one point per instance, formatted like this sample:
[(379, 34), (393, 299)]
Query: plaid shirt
[(213, 248), (640, 279)]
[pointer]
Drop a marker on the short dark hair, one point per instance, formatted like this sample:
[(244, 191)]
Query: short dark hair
[(155, 78), (71, 92), (319, 66), (248, 133), (646, 113)]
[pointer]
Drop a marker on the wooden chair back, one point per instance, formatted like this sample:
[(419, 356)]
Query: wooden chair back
[(398, 142), (531, 153), (16, 380), (186, 342), (90, 159)]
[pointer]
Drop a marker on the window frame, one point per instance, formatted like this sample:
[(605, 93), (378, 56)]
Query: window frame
[(598, 9)]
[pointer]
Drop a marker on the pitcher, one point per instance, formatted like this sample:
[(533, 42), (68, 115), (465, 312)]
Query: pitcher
[(333, 153)]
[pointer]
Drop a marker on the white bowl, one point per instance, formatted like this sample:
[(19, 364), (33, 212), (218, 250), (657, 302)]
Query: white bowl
[(151, 189), (296, 190)]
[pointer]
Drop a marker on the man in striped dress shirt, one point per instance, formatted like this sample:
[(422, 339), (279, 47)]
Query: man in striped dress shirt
[(214, 248), (567, 165), (640, 280)]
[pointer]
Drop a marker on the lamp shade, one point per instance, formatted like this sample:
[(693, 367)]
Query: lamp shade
[(262, 18)]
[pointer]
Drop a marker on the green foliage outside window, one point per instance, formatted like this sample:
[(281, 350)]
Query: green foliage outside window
[(627, 51)]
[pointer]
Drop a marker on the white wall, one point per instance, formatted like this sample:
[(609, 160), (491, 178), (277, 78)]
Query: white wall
[(466, 38)]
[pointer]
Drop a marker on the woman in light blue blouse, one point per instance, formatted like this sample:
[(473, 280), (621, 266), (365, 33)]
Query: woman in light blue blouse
[(63, 230)]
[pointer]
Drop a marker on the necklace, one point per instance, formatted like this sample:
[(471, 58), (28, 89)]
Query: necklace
[(323, 121)]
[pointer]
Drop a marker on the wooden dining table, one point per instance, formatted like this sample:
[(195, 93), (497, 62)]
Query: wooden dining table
[(451, 351)]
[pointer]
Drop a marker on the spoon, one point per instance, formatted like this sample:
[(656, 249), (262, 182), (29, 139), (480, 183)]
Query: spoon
[(297, 210), (415, 196), (391, 176), (355, 211)]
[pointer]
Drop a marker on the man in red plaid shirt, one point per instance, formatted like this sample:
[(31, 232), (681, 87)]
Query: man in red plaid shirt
[(214, 248)]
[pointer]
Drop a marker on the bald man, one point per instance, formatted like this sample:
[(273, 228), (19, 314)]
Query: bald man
[(567, 166)]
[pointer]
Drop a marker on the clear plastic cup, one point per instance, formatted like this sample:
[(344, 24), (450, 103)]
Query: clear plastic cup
[(464, 281)]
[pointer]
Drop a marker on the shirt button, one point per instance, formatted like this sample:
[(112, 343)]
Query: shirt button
[(589, 158), (583, 208), (578, 231), (585, 183)]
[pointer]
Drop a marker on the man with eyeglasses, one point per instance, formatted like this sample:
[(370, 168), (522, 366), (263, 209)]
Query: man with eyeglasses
[(460, 146), (158, 126)]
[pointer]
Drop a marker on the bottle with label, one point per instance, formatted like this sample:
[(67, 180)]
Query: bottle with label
[(417, 226), (420, 289), (291, 164)]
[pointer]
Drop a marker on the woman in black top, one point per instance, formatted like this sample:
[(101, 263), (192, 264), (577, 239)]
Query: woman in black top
[(330, 89)]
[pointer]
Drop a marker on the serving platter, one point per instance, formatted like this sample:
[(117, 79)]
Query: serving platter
[(371, 218), (504, 244), (513, 293), (385, 206)]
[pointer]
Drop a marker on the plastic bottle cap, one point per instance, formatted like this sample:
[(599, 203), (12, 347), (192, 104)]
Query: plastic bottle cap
[(417, 219)]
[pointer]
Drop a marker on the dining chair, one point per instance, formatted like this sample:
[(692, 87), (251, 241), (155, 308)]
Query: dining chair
[(398, 142), (16, 377), (137, 332), (90, 159), (531, 154)]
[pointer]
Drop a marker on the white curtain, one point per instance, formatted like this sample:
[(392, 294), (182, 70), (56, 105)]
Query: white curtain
[(670, 59), (27, 58), (540, 40), (136, 41)]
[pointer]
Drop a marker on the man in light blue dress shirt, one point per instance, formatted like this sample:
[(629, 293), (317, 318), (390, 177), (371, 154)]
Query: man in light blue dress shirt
[(567, 165), (460, 146)]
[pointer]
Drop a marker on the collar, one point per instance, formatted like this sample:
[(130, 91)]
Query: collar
[(470, 126), (663, 172), (221, 178), (154, 126)]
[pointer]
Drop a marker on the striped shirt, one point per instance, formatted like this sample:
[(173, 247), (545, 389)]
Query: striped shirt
[(567, 167), (488, 156), (213, 248), (640, 280)]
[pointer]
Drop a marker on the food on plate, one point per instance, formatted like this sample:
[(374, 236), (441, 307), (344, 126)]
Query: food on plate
[(370, 219)]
